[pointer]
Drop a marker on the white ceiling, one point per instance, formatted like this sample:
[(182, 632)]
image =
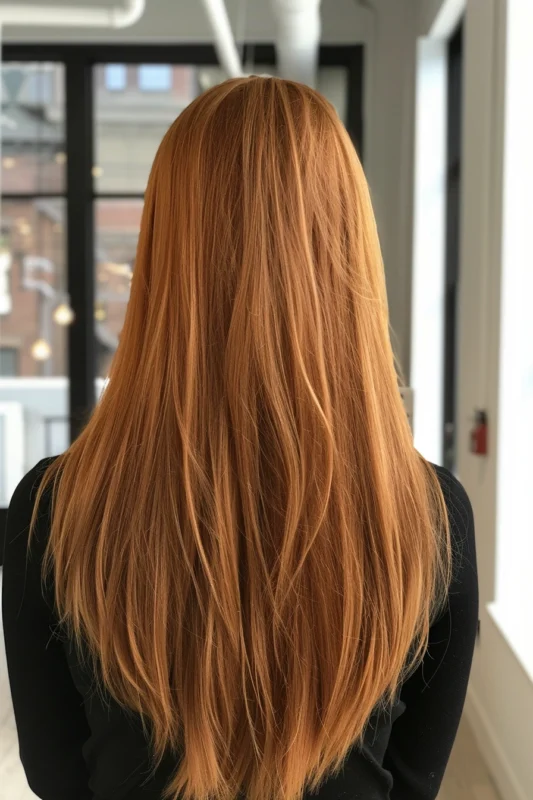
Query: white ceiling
[(185, 20), (63, 3)]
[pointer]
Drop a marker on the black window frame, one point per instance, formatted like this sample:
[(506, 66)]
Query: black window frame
[(452, 243), (78, 61)]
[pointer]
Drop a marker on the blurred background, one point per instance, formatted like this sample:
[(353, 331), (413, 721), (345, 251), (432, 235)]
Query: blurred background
[(437, 96)]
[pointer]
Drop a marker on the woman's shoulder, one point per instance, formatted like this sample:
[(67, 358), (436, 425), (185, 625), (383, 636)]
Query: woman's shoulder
[(26, 491), (458, 505), (462, 532), (20, 511)]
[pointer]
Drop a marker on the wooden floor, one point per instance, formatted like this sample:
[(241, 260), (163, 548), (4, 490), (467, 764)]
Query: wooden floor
[(466, 779)]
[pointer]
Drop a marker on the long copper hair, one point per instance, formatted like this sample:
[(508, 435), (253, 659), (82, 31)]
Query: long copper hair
[(244, 536)]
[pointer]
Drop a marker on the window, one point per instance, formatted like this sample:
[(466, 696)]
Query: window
[(127, 136), (8, 362), (6, 301), (513, 608), (39, 84), (126, 141), (48, 246), (36, 244), (33, 298), (33, 135), (117, 224), (155, 77), (115, 77), (428, 295)]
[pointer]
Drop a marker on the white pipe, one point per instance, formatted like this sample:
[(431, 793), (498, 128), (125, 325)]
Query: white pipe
[(224, 41), (298, 38), (115, 17)]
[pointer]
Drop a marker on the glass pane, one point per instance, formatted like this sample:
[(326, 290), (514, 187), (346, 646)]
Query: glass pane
[(155, 77), (130, 124), (34, 311), (117, 230), (32, 128), (129, 127), (332, 82), (115, 76)]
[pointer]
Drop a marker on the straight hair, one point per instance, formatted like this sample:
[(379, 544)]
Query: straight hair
[(244, 537)]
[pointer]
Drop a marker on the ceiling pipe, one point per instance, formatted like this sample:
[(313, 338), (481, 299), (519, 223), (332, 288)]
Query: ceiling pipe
[(225, 46), (298, 39), (115, 17)]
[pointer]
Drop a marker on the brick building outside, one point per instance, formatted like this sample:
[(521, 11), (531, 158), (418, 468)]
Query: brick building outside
[(133, 107)]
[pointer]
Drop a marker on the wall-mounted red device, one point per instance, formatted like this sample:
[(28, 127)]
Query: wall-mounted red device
[(479, 434)]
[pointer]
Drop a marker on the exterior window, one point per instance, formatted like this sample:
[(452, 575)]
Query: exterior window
[(115, 77), (155, 78), (34, 302), (6, 303), (8, 362), (513, 607)]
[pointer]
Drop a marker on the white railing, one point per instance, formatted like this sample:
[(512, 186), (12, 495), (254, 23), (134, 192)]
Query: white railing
[(34, 424), (11, 448)]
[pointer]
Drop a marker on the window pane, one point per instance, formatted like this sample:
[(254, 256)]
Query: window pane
[(117, 230), (8, 362), (32, 128), (115, 77), (129, 126), (155, 77), (332, 82), (33, 337), (514, 587)]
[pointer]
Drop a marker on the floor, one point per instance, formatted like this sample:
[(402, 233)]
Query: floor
[(467, 777)]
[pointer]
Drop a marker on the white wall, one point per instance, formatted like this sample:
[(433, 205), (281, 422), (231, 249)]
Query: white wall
[(389, 34), (439, 17), (427, 15)]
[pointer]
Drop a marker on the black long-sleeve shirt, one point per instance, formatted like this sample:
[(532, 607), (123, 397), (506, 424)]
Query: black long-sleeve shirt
[(77, 745)]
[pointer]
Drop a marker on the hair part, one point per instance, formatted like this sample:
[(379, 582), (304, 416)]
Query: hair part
[(244, 536)]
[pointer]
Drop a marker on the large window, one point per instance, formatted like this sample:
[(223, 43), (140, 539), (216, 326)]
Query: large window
[(128, 131), (34, 302), (80, 128), (513, 608)]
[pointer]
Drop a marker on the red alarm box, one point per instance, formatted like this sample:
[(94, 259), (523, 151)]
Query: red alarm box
[(479, 434)]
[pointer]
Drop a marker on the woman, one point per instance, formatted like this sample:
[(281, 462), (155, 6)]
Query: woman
[(247, 565)]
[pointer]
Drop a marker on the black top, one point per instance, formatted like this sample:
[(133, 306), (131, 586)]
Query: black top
[(76, 745)]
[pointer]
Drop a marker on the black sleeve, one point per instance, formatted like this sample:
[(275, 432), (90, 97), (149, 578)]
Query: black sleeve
[(422, 738), (49, 715)]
